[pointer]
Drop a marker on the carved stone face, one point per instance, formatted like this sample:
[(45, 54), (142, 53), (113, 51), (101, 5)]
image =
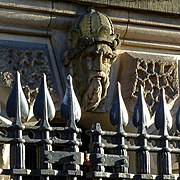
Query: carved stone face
[(91, 75), (89, 58)]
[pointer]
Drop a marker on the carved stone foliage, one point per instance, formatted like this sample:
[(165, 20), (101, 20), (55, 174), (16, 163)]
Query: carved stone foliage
[(31, 63), (153, 74), (90, 56)]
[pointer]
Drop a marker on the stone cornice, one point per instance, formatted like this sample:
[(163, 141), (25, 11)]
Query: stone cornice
[(167, 6), (136, 28)]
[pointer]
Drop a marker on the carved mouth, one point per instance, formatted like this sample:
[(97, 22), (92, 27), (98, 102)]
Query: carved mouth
[(98, 76), (99, 79)]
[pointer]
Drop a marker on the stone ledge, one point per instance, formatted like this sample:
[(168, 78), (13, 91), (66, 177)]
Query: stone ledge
[(35, 18), (170, 6)]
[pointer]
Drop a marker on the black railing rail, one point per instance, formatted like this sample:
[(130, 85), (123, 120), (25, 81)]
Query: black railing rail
[(57, 152)]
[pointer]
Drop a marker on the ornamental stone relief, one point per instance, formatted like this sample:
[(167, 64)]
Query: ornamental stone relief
[(153, 73), (92, 52), (31, 63), (90, 56)]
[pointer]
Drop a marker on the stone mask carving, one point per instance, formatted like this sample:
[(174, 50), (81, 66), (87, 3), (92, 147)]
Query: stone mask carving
[(89, 59)]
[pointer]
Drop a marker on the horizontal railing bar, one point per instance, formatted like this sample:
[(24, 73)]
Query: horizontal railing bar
[(136, 135), (39, 172), (128, 176), (134, 148)]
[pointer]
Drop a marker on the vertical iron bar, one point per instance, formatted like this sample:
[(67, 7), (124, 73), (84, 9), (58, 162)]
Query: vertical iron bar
[(97, 149), (119, 117), (143, 156), (72, 147), (17, 107), (178, 128), (71, 113), (141, 116), (44, 111), (163, 122), (121, 150)]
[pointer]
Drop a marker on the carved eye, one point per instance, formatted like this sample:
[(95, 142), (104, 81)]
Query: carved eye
[(108, 58), (111, 58), (89, 62), (89, 58), (109, 55)]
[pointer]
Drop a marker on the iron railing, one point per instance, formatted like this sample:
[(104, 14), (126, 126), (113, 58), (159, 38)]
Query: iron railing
[(46, 152)]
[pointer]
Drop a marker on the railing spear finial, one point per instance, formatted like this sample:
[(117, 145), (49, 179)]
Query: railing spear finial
[(118, 112), (163, 122), (163, 118), (44, 107), (70, 108), (141, 115), (17, 106)]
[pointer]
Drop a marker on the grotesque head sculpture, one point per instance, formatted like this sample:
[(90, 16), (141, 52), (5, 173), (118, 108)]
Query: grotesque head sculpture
[(89, 59)]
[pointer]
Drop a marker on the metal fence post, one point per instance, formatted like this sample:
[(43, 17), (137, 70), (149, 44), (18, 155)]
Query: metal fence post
[(44, 110), (71, 113), (141, 117), (119, 117), (109, 150), (17, 108), (97, 151), (163, 122), (178, 128)]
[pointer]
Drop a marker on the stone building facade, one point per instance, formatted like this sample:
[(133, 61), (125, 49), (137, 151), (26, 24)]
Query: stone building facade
[(34, 38)]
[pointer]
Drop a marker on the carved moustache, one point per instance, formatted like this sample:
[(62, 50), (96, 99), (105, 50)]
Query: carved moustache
[(97, 90), (93, 95), (97, 75)]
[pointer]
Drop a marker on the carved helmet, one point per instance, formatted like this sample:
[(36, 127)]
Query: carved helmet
[(91, 27)]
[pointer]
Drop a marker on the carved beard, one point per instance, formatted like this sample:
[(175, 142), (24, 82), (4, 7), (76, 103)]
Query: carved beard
[(96, 92)]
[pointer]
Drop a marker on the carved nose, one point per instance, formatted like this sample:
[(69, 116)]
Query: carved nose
[(98, 63)]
